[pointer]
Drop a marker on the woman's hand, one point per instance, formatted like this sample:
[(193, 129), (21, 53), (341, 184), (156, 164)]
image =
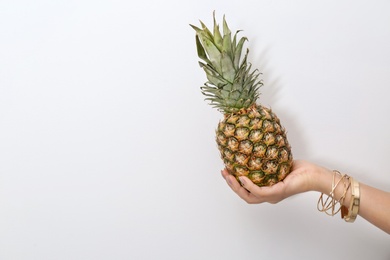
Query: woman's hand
[(374, 204), (298, 181)]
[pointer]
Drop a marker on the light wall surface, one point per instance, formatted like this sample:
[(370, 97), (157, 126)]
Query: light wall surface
[(107, 147)]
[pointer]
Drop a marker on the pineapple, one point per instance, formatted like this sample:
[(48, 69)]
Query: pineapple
[(250, 138)]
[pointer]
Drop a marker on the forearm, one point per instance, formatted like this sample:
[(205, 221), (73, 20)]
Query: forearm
[(374, 204), (375, 207)]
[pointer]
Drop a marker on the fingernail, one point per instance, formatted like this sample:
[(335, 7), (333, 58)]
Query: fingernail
[(228, 180), (242, 180)]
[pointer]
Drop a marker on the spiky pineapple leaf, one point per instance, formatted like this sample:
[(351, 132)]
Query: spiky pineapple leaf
[(201, 52), (217, 34), (231, 85), (226, 30), (238, 50)]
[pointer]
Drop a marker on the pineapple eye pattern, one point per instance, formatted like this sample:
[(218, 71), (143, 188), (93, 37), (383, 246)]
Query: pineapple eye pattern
[(245, 147), (233, 144), (256, 147), (256, 123), (228, 154), (242, 133), (255, 163), (269, 139), (255, 135), (221, 138), (241, 159), (243, 121), (257, 176), (268, 126), (229, 130), (272, 153), (232, 119), (259, 150)]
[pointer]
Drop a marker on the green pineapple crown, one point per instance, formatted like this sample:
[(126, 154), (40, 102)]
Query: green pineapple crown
[(231, 84)]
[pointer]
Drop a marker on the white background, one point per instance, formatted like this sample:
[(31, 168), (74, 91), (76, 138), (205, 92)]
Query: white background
[(107, 147)]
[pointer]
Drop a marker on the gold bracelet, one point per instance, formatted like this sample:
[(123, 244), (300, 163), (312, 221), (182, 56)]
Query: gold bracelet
[(329, 205), (349, 215)]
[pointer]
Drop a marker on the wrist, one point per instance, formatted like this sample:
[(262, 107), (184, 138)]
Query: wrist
[(320, 179), (323, 183)]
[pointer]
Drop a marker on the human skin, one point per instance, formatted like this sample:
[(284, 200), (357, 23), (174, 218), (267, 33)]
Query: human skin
[(306, 176)]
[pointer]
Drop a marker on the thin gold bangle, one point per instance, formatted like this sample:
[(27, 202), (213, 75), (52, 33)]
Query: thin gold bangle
[(329, 205), (355, 202)]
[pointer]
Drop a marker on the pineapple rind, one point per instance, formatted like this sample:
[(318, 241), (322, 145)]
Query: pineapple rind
[(253, 143)]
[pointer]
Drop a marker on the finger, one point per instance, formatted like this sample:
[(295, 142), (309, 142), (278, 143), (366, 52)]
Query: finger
[(256, 190), (250, 192), (250, 186), (272, 194), (224, 173), (232, 182), (242, 192), (235, 186)]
